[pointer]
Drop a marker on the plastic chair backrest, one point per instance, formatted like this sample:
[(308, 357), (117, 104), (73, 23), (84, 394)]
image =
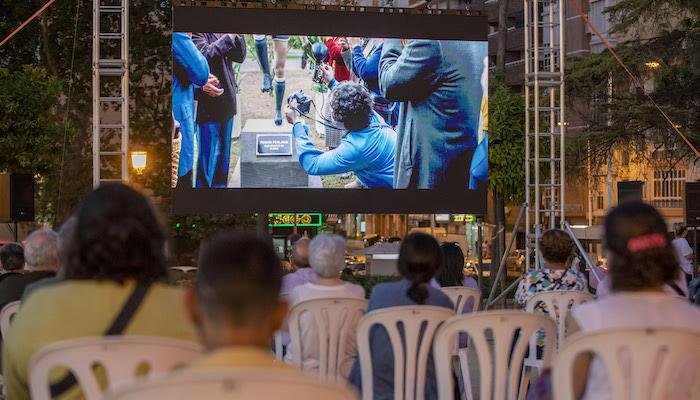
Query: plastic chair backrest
[(334, 320), (640, 363), (278, 337), (234, 383), (410, 353), (557, 304), (500, 355), (120, 356), (465, 299), (6, 314)]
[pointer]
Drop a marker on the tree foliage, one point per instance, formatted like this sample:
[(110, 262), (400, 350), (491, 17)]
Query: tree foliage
[(618, 115), (506, 143), (31, 130)]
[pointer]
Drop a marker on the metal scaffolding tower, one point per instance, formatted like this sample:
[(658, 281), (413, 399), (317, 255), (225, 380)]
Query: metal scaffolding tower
[(545, 122), (110, 90)]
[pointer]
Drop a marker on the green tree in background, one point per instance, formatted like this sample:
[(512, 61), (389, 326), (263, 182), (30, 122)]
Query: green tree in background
[(660, 43), (31, 130), (506, 143)]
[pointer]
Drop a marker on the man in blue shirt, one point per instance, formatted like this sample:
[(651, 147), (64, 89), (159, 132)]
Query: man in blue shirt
[(189, 68), (368, 147)]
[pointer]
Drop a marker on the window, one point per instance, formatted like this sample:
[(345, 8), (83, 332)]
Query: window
[(625, 158), (599, 19), (600, 202), (668, 188)]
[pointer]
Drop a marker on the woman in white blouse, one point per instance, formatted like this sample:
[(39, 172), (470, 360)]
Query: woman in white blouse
[(327, 258), (641, 262)]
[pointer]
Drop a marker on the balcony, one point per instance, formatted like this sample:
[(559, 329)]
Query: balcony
[(667, 203)]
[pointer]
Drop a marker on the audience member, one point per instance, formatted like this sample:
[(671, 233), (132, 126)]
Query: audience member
[(327, 258), (300, 263), (558, 250), (641, 260), (42, 261), (115, 256), (65, 232), (451, 272), (684, 252), (419, 258), (11, 259), (235, 302)]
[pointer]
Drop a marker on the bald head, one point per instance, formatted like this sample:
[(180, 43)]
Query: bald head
[(300, 253), (41, 252)]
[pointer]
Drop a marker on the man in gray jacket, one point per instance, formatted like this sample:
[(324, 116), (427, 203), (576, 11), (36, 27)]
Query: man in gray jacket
[(437, 83)]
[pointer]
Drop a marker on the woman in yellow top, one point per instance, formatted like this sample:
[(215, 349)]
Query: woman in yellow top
[(118, 244)]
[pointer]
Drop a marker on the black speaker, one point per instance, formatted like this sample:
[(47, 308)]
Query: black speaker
[(630, 191), (692, 203), (16, 197)]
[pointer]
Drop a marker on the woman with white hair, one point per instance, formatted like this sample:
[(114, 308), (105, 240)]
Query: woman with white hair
[(327, 258)]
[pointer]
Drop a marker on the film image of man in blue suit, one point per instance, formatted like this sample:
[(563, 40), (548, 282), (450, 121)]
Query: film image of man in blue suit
[(437, 84), (216, 106)]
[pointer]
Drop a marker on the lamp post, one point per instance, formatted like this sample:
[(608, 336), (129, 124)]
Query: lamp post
[(138, 161)]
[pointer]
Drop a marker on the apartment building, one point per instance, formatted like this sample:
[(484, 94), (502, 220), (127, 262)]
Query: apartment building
[(589, 197)]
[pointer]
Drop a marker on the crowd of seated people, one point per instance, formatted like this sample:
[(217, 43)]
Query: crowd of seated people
[(113, 250)]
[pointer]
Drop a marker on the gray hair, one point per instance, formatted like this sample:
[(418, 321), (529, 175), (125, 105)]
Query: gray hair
[(41, 251), (327, 255)]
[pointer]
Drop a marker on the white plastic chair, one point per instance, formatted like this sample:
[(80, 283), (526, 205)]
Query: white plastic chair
[(234, 383), (641, 363), (334, 320), (6, 314), (500, 362), (410, 354), (278, 337), (557, 304), (464, 299), (121, 356)]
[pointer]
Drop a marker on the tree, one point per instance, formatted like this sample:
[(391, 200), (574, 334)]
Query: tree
[(667, 63), (32, 131), (506, 143)]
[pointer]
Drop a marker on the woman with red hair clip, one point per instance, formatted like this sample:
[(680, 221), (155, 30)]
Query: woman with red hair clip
[(641, 263)]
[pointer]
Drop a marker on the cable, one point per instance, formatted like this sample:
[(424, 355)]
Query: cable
[(19, 28), (634, 79)]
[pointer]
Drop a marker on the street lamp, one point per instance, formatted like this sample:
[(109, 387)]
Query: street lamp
[(138, 161), (652, 64)]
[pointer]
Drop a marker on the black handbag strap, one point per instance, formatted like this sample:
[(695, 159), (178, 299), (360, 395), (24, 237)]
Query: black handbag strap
[(128, 310), (118, 326)]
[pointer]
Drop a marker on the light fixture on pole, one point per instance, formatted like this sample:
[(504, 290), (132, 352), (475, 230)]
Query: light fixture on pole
[(138, 161)]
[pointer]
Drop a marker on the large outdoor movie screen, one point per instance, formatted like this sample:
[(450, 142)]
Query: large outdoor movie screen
[(333, 110)]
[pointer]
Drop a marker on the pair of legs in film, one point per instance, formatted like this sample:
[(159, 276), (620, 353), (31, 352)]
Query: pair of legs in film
[(281, 47)]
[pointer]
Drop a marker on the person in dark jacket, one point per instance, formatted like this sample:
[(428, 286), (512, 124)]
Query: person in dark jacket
[(189, 68), (217, 106), (438, 85), (42, 261), (365, 65), (11, 260)]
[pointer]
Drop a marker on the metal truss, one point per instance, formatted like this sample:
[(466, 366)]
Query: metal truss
[(110, 91)]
